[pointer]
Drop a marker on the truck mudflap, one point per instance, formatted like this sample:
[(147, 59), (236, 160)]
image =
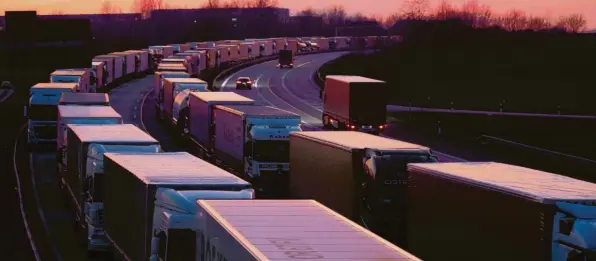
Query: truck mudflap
[(574, 232)]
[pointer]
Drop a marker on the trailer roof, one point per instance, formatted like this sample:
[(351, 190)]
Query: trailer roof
[(107, 56), (532, 184), (72, 97), (111, 133), (172, 72), (254, 110), (136, 51), (264, 227), (171, 65), (97, 62), (70, 72), (185, 80), (352, 78), (174, 168), (120, 53), (75, 111), (356, 140), (221, 97), (54, 85), (173, 60)]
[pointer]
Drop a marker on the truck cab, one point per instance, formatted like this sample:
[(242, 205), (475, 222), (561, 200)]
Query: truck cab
[(89, 143), (98, 77), (384, 185), (177, 89), (42, 111), (175, 225), (78, 76), (286, 59)]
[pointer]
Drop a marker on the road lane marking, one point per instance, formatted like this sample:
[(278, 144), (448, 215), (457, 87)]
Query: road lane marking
[(20, 193)]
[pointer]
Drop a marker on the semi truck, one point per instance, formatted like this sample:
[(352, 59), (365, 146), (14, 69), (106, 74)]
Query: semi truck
[(158, 87), (354, 103), (89, 99), (79, 114), (172, 87), (118, 65), (244, 51), (78, 76), (108, 71), (266, 48), (179, 67), (141, 61), (85, 176), (98, 76), (511, 212), (42, 111), (212, 59), (192, 60), (179, 48), (286, 59), (129, 64), (259, 230), (200, 118), (367, 174), (253, 142), (153, 197)]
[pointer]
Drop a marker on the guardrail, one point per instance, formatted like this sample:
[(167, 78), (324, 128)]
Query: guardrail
[(525, 146)]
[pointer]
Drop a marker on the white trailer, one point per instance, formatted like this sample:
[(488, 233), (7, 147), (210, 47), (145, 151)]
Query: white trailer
[(266, 48), (89, 99), (175, 87), (498, 212), (129, 65), (141, 60), (98, 75), (84, 178), (42, 111), (108, 71), (263, 230), (78, 76), (153, 196), (77, 114), (118, 65)]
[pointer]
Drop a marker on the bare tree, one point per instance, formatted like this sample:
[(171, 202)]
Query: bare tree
[(108, 7), (390, 20), (572, 23), (446, 11), (210, 4), (358, 17), (144, 7), (234, 4), (415, 9), (538, 23), (515, 20), (263, 3), (335, 15), (309, 11)]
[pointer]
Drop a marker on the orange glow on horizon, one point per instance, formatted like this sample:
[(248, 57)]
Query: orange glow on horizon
[(549, 8)]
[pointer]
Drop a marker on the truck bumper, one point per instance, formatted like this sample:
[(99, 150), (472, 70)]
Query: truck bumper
[(271, 184)]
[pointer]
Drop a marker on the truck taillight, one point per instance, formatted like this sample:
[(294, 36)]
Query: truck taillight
[(248, 82), (381, 127)]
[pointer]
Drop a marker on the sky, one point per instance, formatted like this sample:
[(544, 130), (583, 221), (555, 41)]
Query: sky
[(551, 8)]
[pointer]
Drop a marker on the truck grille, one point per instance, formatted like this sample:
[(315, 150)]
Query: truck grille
[(46, 132), (100, 217)]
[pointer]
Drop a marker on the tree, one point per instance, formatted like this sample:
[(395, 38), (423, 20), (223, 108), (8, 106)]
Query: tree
[(572, 23), (515, 20), (263, 3), (415, 9), (538, 23), (446, 11), (234, 4), (390, 20), (309, 11), (108, 7), (335, 15), (144, 7), (211, 4)]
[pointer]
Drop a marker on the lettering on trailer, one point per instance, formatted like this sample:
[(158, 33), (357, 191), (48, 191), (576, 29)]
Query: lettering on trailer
[(294, 249), (208, 251), (281, 137)]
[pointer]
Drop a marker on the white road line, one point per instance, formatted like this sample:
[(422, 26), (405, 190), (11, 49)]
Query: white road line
[(143, 106), (283, 85), (21, 204)]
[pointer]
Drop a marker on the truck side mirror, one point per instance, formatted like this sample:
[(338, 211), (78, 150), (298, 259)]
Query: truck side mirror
[(435, 158), (25, 110)]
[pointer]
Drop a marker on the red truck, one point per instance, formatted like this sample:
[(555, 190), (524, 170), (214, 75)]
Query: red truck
[(354, 103)]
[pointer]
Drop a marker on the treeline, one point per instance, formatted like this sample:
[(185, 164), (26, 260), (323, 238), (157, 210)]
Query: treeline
[(456, 63)]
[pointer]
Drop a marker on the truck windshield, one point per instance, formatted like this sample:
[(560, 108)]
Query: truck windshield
[(65, 78), (391, 173), (44, 112), (271, 150)]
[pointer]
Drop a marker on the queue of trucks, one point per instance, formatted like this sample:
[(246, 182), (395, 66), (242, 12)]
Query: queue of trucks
[(254, 186)]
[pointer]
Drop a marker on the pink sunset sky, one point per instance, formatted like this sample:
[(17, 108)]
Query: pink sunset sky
[(552, 8)]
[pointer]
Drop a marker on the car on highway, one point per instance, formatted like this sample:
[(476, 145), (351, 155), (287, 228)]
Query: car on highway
[(243, 83)]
